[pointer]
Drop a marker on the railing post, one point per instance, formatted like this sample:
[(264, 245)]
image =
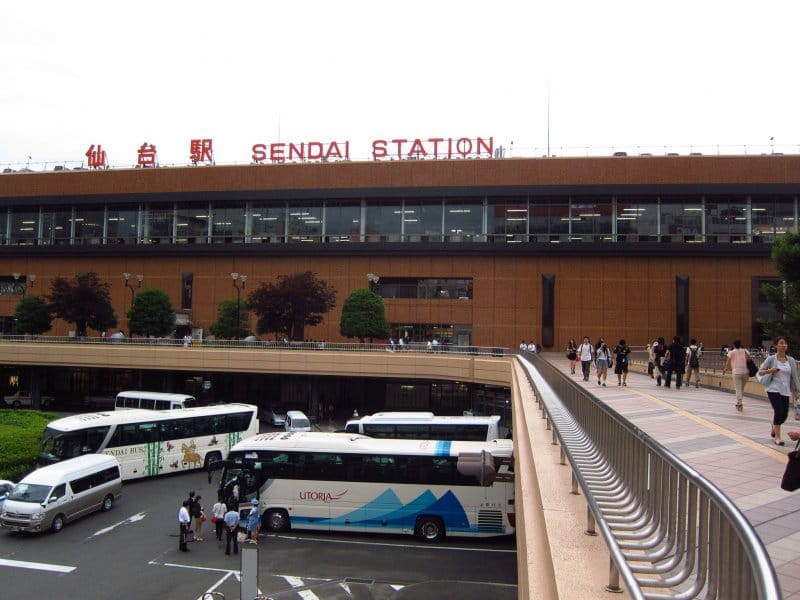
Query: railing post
[(613, 578), (590, 530)]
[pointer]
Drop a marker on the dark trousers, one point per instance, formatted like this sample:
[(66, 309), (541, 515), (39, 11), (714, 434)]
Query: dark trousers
[(182, 534), (220, 524), (780, 407), (234, 535), (678, 378), (585, 366)]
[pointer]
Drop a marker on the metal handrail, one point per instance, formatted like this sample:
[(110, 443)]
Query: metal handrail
[(670, 532), (413, 347)]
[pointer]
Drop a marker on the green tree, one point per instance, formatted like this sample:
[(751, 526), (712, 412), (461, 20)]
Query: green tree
[(785, 297), (287, 306), (363, 316), (32, 316), (83, 300), (151, 314), (225, 327)]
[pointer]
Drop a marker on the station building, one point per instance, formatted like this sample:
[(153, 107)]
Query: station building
[(477, 252)]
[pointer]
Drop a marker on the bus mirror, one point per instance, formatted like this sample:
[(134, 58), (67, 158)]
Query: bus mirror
[(478, 465)]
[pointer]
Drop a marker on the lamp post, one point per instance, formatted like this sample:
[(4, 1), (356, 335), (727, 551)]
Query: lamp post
[(130, 286), (373, 281), (23, 287), (239, 282)]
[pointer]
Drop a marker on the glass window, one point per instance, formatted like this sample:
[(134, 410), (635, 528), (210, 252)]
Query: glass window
[(89, 224), (681, 219), (56, 225), (637, 219), (463, 220), (549, 219), (24, 227), (591, 219), (228, 224), (422, 220), (507, 220), (268, 223), (771, 216), (343, 221), (726, 219), (383, 222), (191, 224), (158, 223), (123, 224), (305, 223)]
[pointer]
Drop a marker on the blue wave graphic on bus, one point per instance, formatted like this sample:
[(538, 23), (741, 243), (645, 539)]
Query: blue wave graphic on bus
[(388, 512)]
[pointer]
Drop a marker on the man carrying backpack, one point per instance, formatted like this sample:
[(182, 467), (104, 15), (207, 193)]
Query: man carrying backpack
[(694, 353)]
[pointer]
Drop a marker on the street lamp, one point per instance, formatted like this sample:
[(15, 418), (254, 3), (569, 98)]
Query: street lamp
[(131, 287), (23, 287), (373, 281), (239, 281)]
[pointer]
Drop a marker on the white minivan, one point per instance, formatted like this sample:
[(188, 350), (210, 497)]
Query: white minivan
[(296, 420), (63, 492)]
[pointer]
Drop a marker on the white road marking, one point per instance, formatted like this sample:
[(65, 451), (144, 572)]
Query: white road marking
[(215, 586), (293, 581), (308, 595), (22, 564), (414, 546), (131, 519)]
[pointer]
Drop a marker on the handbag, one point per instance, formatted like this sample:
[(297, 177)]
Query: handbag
[(752, 368), (791, 476), (668, 364)]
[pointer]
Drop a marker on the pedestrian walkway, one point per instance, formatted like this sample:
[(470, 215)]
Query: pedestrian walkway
[(731, 449)]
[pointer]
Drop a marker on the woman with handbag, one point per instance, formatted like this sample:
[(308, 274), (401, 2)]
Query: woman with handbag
[(779, 376), (736, 363), (572, 354)]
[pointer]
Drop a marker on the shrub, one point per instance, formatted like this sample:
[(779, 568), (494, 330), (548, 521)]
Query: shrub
[(20, 434)]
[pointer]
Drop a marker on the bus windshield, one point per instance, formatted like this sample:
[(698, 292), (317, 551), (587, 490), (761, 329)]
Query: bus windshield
[(60, 445)]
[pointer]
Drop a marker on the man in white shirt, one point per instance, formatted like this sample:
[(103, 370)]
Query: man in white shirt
[(183, 523), (585, 353)]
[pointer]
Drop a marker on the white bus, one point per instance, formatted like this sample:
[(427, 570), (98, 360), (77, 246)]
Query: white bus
[(151, 442), (426, 426), (354, 483), (153, 400)]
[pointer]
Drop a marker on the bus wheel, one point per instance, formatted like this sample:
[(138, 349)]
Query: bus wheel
[(430, 529), (277, 520), (57, 524), (211, 458), (108, 502)]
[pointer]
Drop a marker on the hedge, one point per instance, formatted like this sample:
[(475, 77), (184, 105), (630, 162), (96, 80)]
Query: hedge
[(20, 433)]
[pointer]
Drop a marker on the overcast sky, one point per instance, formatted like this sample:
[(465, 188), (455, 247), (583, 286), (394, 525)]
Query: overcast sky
[(636, 76)]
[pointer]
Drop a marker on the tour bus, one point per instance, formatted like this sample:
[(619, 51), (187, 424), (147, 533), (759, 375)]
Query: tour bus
[(151, 442), (354, 483), (153, 400), (426, 426)]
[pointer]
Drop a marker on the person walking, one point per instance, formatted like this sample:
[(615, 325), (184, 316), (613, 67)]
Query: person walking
[(218, 516), (198, 518), (603, 362), (659, 349), (674, 362), (621, 351), (694, 353), (253, 523), (650, 365), (183, 526), (586, 353), (736, 363), (572, 354), (232, 531), (783, 385)]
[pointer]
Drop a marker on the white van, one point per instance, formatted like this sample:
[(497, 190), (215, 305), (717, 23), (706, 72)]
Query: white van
[(63, 492), (296, 420)]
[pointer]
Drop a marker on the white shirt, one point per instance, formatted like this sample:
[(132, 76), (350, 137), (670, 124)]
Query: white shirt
[(585, 351), (183, 516), (780, 380)]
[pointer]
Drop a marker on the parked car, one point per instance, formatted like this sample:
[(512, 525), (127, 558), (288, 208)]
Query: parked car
[(276, 415), (23, 398), (5, 489)]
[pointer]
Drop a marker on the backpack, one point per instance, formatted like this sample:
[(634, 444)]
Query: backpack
[(693, 361)]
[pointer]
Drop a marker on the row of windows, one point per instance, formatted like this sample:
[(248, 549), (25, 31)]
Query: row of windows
[(89, 481), (432, 289), (174, 429), (476, 432), (713, 218), (423, 470)]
